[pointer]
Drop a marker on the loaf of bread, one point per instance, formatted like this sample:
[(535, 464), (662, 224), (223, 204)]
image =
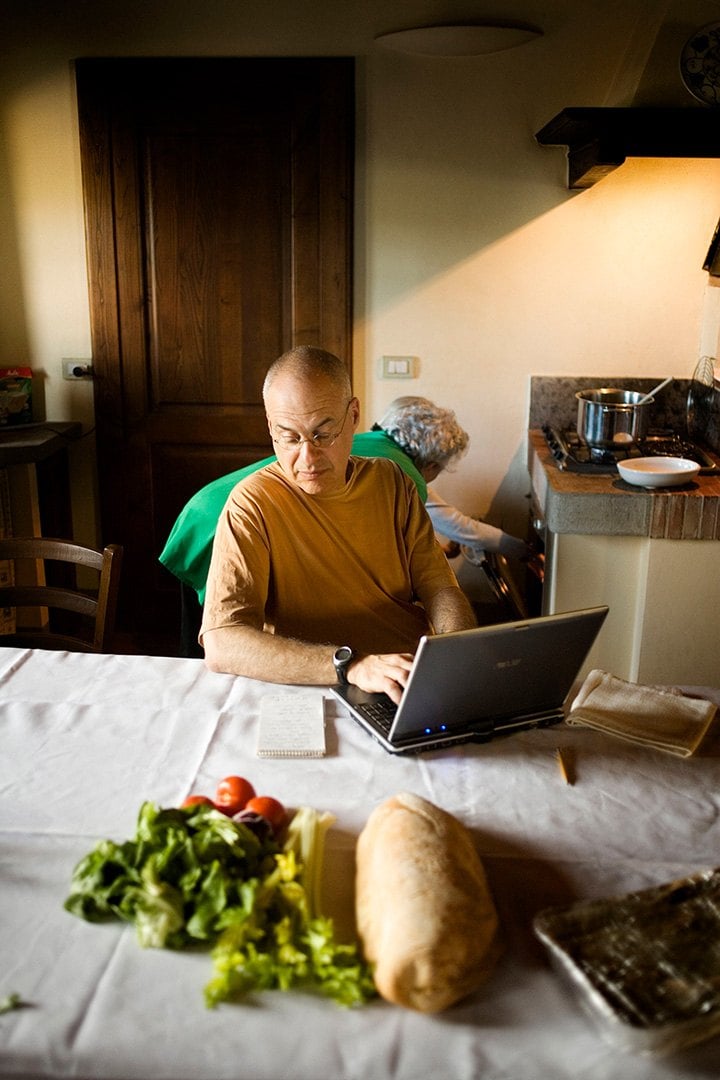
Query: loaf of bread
[(425, 916)]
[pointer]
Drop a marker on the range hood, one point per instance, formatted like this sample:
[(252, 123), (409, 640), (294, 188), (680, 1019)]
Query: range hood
[(599, 139)]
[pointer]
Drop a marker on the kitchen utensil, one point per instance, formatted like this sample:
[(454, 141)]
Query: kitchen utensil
[(700, 398), (654, 391), (658, 472), (609, 418)]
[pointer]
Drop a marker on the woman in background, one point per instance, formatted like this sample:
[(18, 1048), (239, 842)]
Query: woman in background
[(432, 439)]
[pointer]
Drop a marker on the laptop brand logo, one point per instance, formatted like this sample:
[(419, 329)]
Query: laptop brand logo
[(509, 663)]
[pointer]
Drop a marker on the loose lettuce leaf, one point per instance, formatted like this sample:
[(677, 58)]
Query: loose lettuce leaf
[(10, 1002)]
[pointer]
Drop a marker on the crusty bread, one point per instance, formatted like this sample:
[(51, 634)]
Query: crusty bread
[(425, 916)]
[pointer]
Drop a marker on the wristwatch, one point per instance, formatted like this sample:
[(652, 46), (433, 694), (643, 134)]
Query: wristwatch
[(342, 658)]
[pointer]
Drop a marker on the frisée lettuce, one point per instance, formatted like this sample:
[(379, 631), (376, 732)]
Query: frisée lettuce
[(194, 876)]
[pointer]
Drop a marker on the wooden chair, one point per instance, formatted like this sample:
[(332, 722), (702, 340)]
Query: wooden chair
[(89, 626)]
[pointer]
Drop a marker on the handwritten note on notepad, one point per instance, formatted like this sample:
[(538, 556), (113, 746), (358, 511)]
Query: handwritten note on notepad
[(291, 725)]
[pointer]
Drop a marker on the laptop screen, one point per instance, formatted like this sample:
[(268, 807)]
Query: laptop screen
[(489, 679)]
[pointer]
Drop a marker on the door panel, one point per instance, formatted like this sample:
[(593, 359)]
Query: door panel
[(218, 200), (216, 264)]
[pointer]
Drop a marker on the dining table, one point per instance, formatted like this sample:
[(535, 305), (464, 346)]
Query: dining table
[(88, 738)]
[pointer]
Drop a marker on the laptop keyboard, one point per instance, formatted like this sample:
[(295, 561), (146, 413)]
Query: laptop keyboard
[(380, 713)]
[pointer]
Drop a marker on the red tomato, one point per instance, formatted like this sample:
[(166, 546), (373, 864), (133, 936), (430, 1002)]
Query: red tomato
[(232, 794), (197, 800), (273, 811)]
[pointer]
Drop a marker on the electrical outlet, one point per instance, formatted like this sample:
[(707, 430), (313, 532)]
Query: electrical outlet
[(76, 369)]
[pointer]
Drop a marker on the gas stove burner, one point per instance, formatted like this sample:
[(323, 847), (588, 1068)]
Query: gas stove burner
[(572, 454), (602, 455)]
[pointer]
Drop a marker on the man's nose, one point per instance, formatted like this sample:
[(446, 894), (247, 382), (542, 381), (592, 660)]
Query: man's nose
[(308, 450)]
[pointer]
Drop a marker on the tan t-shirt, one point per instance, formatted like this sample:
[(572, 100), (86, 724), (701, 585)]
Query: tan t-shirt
[(349, 567)]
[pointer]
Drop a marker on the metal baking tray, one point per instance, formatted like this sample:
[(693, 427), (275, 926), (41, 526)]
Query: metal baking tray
[(646, 966)]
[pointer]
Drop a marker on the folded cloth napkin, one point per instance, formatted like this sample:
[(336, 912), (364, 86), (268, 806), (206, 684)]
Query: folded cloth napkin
[(663, 719)]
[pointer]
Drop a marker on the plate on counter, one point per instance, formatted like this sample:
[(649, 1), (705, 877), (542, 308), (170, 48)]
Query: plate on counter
[(658, 472)]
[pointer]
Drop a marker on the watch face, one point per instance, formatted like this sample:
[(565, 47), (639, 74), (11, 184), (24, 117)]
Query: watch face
[(341, 660)]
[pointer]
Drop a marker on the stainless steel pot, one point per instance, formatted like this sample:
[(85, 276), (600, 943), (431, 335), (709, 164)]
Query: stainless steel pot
[(610, 419)]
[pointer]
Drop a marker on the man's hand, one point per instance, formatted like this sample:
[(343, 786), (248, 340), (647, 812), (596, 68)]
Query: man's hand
[(381, 674)]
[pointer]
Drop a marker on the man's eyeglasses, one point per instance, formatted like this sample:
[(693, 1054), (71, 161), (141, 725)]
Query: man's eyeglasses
[(290, 440)]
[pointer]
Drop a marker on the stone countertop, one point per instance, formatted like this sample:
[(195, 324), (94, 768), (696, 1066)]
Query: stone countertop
[(608, 506)]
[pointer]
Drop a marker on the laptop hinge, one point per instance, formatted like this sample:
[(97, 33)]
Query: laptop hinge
[(497, 726)]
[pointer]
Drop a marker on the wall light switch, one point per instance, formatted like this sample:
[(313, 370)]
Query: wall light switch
[(398, 367)]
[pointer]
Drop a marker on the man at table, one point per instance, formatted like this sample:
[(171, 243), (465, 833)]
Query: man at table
[(325, 566)]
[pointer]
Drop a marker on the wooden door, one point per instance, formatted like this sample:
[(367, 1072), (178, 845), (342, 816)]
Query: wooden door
[(218, 198)]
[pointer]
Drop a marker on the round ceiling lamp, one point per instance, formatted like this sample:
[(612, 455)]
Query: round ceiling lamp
[(469, 39)]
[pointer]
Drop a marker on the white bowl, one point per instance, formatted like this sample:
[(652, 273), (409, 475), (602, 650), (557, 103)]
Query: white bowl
[(658, 472)]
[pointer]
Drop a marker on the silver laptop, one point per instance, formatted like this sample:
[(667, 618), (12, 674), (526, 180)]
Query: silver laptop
[(474, 685)]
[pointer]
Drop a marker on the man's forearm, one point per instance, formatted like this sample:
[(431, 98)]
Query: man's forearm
[(244, 650)]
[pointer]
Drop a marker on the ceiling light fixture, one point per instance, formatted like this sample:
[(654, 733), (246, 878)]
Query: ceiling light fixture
[(466, 39)]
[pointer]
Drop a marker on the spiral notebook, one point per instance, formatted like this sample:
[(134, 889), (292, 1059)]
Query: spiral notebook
[(292, 725)]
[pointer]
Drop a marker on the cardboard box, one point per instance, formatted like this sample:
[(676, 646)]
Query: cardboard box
[(15, 396)]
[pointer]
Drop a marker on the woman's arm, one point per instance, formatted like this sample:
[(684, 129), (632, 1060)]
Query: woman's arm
[(453, 524)]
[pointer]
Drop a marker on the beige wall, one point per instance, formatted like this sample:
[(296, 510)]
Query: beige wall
[(470, 253)]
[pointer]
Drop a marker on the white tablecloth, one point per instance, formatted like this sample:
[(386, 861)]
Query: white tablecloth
[(86, 739)]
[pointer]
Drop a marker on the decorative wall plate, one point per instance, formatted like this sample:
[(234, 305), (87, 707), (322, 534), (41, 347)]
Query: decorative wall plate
[(700, 64)]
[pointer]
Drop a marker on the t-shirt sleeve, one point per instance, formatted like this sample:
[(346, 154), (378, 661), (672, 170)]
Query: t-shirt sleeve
[(239, 571)]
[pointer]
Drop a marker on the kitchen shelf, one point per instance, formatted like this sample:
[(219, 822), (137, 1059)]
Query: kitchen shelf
[(600, 139)]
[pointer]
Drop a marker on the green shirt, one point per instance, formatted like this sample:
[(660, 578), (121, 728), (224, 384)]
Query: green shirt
[(188, 548)]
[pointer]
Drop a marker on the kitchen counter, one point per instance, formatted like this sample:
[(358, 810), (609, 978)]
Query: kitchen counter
[(608, 506), (652, 556)]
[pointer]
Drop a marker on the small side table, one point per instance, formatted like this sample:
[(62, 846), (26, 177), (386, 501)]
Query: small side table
[(35, 495), (36, 458)]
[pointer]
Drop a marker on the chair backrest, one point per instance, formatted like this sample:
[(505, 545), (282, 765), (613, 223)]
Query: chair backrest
[(57, 590)]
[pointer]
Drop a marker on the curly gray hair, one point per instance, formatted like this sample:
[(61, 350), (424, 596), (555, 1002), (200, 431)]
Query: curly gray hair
[(429, 434)]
